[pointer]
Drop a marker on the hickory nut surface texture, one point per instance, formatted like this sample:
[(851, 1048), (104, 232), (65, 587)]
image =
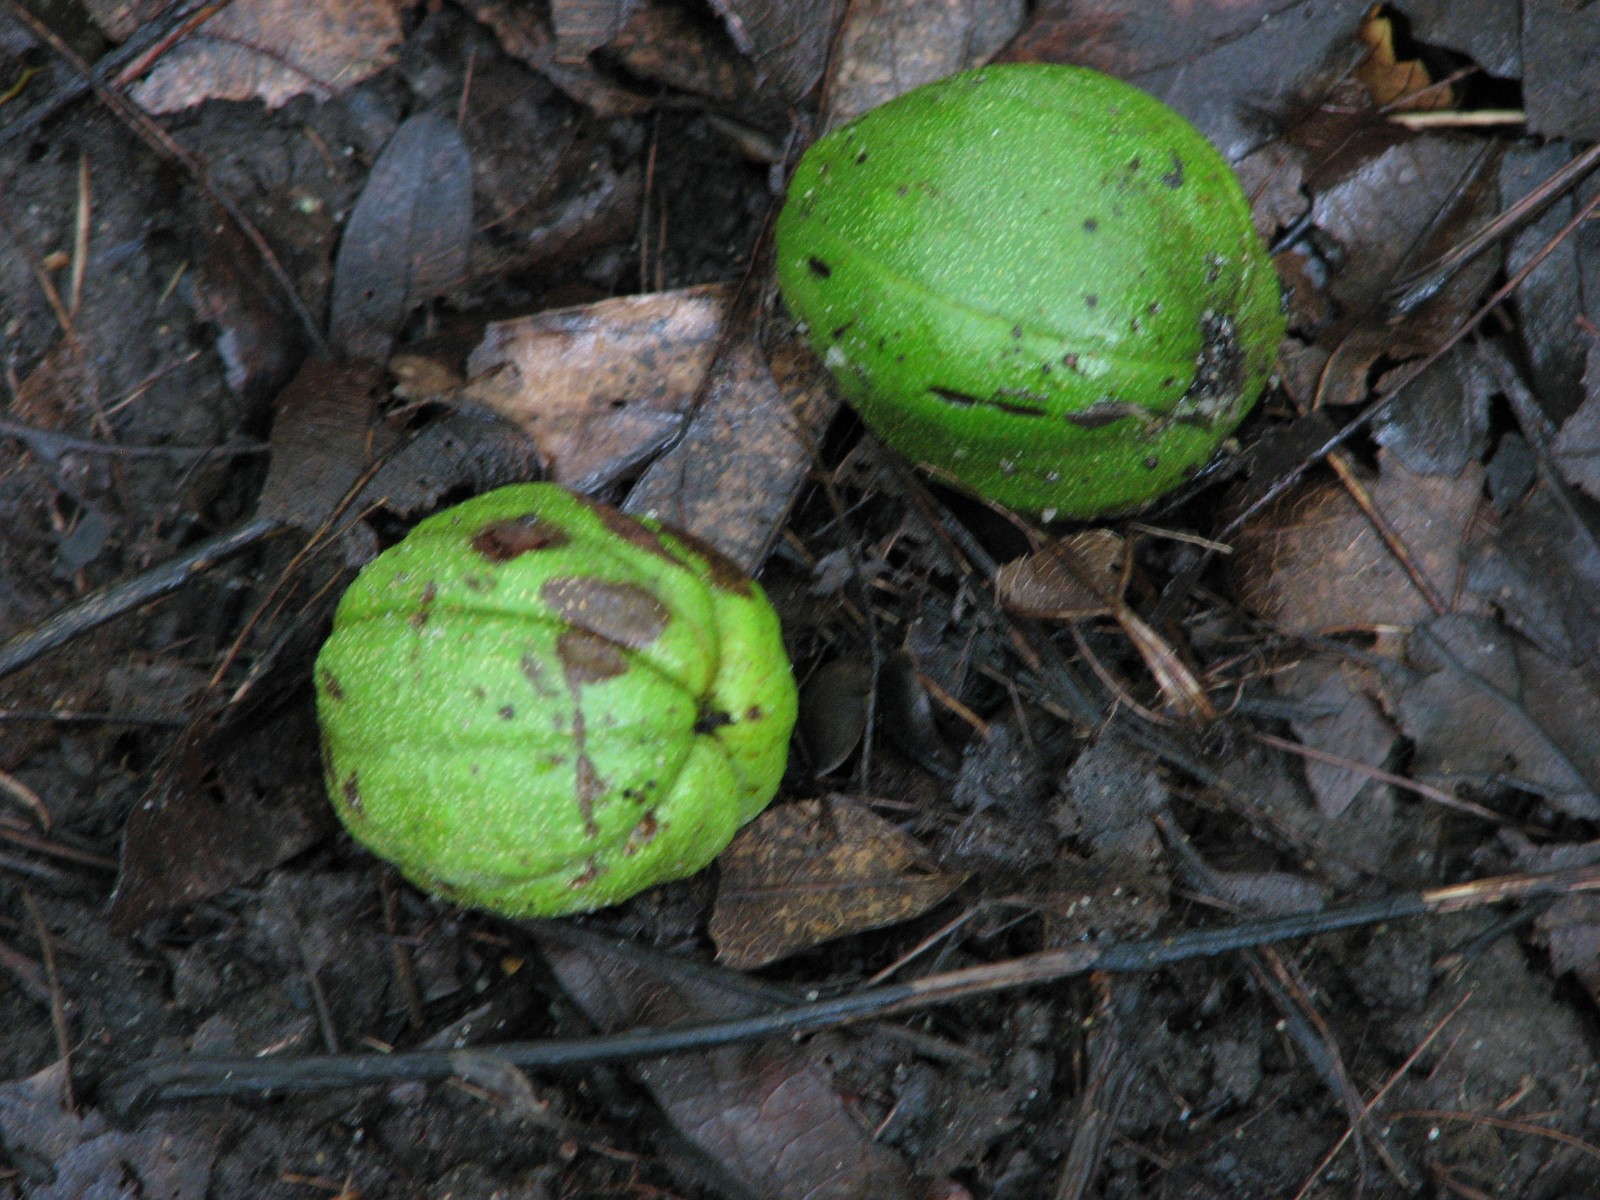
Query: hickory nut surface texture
[(1036, 279), (538, 705)]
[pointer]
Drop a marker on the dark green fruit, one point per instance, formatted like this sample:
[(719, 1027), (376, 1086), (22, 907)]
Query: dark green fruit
[(537, 705), (1036, 279)]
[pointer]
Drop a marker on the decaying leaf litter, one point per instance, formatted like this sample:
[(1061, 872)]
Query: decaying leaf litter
[(1354, 669)]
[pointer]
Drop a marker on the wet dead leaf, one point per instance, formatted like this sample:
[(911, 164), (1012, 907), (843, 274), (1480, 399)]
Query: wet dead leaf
[(788, 39), (406, 240), (600, 387), (1348, 724), (322, 439), (1391, 200), (274, 50), (1313, 562), (81, 1155), (1542, 573), (227, 806), (886, 47), (1491, 710), (1577, 445), (524, 31), (810, 871), (664, 45), (583, 26), (470, 450), (833, 713), (1388, 77), (1559, 88), (767, 1113), (1440, 421), (1077, 577), (748, 449), (1219, 64)]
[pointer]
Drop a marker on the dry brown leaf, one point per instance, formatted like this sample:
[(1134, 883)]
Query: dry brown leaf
[(1078, 577), (1347, 724), (767, 1113), (1312, 562), (405, 241), (886, 47), (583, 26), (600, 387), (1389, 78), (665, 45), (274, 50), (1493, 710), (807, 872), (748, 449), (322, 439), (788, 39)]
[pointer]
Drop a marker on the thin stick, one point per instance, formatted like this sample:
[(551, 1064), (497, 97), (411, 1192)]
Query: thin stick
[(183, 1078)]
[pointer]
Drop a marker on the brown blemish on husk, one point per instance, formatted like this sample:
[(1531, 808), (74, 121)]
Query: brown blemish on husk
[(642, 834), (629, 530), (534, 671), (1217, 389), (331, 687), (351, 790), (722, 572), (419, 619), (501, 541), (588, 658), (590, 873), (711, 721), (967, 400), (624, 613), (588, 780), (1102, 413)]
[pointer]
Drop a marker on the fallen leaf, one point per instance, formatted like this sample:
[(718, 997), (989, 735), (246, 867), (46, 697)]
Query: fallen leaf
[(1313, 563), (814, 870), (1577, 445), (767, 1113), (274, 50), (65, 1155), (600, 387), (406, 240), (833, 712), (1542, 573), (583, 26), (1390, 78), (749, 447), (788, 39), (1351, 727), (1076, 577), (227, 806), (1440, 421), (886, 47), (322, 438), (1490, 711)]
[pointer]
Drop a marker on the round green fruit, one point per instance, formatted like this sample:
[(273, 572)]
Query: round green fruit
[(1036, 279), (538, 705)]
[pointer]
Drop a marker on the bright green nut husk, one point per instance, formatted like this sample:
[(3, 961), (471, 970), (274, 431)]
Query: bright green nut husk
[(537, 705), (1036, 279)]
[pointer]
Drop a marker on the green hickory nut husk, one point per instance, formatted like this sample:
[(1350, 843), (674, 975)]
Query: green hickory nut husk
[(538, 705), (1037, 280)]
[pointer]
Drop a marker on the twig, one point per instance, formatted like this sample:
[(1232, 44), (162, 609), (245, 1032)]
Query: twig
[(184, 1078), (114, 599)]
